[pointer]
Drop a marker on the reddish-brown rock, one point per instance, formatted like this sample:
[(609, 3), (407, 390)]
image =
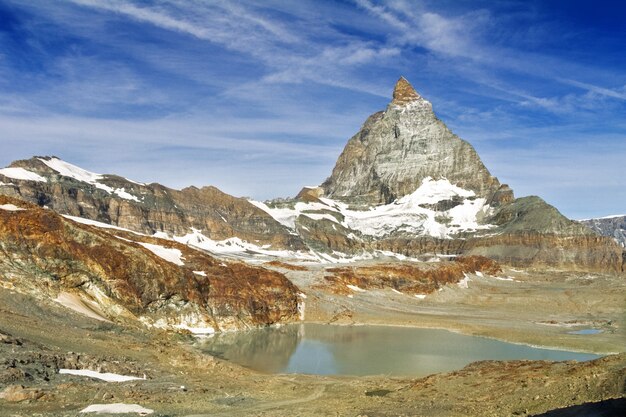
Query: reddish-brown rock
[(45, 254)]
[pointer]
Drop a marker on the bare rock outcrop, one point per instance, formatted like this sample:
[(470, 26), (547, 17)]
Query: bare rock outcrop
[(124, 276)]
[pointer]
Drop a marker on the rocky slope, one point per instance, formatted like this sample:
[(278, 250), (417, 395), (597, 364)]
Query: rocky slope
[(117, 275), (416, 279), (612, 226)]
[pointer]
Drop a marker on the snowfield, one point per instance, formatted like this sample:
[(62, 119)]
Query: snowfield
[(22, 174), (105, 376), (409, 214)]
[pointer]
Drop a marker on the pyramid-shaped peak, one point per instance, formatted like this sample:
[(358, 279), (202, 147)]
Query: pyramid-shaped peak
[(404, 92)]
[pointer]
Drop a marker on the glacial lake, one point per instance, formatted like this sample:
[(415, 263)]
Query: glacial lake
[(366, 350)]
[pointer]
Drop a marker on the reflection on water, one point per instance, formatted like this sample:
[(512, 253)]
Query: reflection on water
[(366, 350), (266, 350)]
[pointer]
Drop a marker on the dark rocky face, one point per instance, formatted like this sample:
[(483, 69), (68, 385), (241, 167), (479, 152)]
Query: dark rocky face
[(614, 227)]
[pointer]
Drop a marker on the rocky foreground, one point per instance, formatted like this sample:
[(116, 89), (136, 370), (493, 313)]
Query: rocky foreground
[(182, 381)]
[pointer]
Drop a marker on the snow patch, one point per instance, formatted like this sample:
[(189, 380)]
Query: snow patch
[(116, 408), (506, 279), (120, 192), (11, 207), (196, 330), (190, 322), (396, 291), (172, 255), (355, 288), (464, 283), (420, 296), (201, 273), (21, 174), (105, 376)]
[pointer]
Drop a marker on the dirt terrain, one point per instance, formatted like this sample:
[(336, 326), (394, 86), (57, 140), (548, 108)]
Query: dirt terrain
[(531, 307), (522, 306)]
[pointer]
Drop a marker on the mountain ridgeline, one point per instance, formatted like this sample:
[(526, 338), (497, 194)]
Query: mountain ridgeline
[(404, 185)]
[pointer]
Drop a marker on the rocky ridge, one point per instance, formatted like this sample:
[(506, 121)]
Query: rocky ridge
[(144, 208), (398, 148)]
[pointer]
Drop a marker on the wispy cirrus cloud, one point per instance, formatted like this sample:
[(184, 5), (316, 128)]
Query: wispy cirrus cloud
[(466, 37), (289, 56)]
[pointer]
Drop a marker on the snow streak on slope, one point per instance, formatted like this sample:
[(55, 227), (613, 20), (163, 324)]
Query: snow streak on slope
[(105, 376), (11, 207), (172, 255), (235, 245), (72, 171), (414, 213), (21, 174), (240, 248)]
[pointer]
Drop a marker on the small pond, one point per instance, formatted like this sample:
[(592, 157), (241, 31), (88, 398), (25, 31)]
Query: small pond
[(586, 331), (366, 350)]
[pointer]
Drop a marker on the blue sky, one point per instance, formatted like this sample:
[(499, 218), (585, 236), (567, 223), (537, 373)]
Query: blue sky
[(259, 97)]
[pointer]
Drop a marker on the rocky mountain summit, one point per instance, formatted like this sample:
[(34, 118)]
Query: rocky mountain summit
[(398, 148), (406, 184)]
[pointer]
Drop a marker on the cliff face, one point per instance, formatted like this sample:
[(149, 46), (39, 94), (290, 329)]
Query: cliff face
[(397, 149), (145, 208), (613, 226), (124, 276)]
